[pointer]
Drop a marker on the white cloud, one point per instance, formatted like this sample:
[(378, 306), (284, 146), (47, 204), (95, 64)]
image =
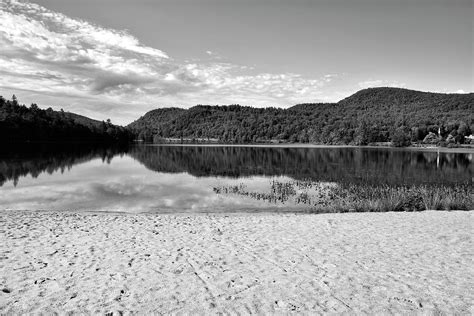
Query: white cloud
[(109, 73), (381, 83)]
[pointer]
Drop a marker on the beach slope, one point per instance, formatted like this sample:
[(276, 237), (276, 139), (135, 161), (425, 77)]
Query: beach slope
[(236, 263)]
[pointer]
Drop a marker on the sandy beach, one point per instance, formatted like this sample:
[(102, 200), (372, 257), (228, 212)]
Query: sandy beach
[(237, 263)]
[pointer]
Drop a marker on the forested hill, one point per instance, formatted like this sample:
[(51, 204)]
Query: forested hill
[(21, 123), (370, 115)]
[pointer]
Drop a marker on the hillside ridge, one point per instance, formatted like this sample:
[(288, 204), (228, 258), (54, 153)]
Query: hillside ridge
[(382, 114), (19, 123)]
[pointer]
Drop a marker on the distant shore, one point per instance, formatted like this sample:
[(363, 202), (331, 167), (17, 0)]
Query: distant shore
[(243, 263), (305, 145)]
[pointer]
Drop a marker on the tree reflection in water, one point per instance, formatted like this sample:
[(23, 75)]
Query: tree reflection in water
[(349, 165), (34, 158), (354, 165), (317, 179)]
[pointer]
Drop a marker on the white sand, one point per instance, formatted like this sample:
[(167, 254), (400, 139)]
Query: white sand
[(241, 263)]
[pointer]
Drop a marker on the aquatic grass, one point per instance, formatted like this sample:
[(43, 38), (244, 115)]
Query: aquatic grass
[(459, 197), (351, 197), (384, 198), (432, 199)]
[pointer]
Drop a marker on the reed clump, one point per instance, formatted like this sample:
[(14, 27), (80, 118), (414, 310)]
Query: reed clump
[(357, 197), (385, 198)]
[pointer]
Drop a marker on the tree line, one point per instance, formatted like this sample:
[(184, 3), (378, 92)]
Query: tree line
[(378, 115), (399, 116), (19, 123)]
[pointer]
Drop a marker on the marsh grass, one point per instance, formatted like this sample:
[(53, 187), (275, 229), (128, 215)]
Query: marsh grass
[(460, 197), (350, 197), (384, 198)]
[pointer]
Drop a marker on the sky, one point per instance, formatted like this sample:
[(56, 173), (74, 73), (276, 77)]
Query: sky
[(118, 59)]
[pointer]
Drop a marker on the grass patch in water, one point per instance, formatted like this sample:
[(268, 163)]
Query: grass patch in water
[(349, 197), (385, 198)]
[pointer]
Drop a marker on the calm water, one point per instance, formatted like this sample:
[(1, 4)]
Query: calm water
[(200, 179)]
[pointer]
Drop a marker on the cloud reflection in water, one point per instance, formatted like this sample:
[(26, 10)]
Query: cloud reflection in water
[(177, 178), (125, 185)]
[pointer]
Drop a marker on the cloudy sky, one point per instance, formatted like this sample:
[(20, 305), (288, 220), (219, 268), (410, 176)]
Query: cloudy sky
[(120, 58)]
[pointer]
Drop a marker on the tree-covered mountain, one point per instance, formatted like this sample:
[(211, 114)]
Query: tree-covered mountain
[(370, 115), (20, 123)]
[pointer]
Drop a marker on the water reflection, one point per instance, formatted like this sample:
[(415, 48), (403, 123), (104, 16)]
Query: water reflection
[(33, 159), (123, 185), (293, 192), (366, 165), (167, 178)]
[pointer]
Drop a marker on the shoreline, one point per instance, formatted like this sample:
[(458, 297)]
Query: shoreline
[(244, 263), (242, 212), (464, 149), (303, 145)]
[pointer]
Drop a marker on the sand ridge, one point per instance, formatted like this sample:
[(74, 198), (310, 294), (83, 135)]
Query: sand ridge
[(238, 264)]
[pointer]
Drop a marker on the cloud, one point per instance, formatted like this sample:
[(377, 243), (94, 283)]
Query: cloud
[(381, 83), (104, 72)]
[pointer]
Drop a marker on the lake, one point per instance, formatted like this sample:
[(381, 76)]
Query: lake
[(151, 178)]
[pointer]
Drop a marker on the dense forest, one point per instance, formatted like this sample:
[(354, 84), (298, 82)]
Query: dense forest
[(19, 123), (372, 115), (376, 115)]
